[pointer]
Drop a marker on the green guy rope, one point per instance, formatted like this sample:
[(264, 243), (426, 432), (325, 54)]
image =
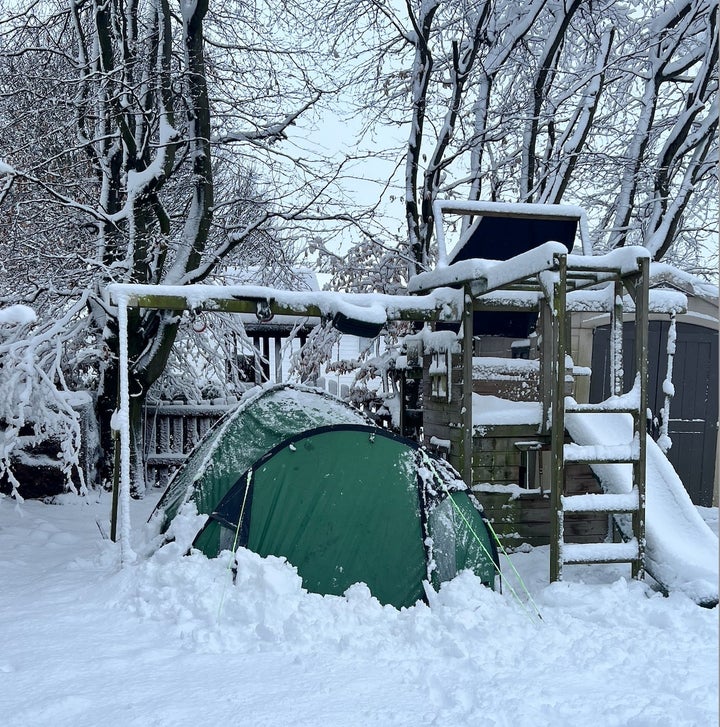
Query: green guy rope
[(512, 565), (477, 538), (482, 545), (235, 539)]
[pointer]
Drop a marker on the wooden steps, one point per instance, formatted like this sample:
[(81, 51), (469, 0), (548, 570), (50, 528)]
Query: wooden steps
[(601, 454), (594, 449), (587, 553), (607, 503)]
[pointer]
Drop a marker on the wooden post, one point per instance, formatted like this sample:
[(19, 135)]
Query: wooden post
[(641, 359), (467, 415), (557, 417), (616, 341), (546, 363), (278, 359), (257, 359), (115, 487)]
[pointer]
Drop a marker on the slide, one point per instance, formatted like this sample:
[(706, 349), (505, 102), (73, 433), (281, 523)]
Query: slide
[(681, 551)]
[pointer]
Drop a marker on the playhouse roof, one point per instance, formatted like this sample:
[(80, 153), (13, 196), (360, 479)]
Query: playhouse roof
[(500, 236)]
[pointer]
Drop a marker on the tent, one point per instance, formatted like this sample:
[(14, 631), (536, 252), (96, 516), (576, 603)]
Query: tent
[(296, 473)]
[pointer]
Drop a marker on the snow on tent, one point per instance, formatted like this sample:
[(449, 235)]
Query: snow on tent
[(297, 473)]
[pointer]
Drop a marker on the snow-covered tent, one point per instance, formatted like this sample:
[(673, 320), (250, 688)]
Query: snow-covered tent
[(296, 473)]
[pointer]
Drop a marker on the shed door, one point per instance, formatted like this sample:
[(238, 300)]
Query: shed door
[(693, 409)]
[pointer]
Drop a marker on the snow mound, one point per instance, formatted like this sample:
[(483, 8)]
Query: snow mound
[(245, 603), (173, 640)]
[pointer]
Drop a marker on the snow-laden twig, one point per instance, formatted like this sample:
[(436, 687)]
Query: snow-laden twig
[(34, 395)]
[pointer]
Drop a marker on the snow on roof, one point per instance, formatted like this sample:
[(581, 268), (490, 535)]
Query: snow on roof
[(511, 209), (598, 300), (492, 273), (664, 274), (622, 259)]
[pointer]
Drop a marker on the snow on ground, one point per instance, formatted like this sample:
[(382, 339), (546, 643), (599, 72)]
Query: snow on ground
[(171, 641)]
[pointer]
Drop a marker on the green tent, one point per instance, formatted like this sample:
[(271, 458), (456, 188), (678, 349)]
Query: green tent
[(297, 473)]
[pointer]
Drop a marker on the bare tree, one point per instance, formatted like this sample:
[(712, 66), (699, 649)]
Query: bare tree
[(671, 156), (144, 141), (603, 104)]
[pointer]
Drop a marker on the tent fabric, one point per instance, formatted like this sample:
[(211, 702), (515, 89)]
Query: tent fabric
[(323, 502), (262, 420), (460, 540), (344, 502)]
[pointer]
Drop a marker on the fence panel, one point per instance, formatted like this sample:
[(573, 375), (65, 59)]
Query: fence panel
[(172, 430)]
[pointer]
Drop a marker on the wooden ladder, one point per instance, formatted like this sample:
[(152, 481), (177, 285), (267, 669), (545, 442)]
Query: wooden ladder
[(632, 548)]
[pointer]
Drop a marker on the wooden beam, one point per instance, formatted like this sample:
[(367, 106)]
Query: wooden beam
[(467, 413), (443, 312)]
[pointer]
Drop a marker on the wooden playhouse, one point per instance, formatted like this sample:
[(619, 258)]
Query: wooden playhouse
[(508, 432), (502, 399)]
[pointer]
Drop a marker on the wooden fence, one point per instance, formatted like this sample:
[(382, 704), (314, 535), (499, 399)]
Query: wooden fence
[(171, 431)]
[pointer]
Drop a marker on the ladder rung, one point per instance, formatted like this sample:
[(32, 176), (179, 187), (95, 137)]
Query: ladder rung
[(601, 454), (604, 502), (600, 552), (600, 408)]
